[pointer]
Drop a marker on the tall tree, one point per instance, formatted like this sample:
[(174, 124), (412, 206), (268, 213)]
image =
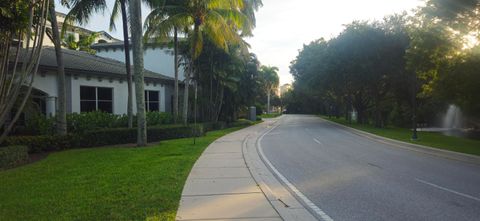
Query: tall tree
[(220, 21), (176, 66), (126, 48), (61, 115), (22, 28), (137, 46), (83, 44), (161, 10), (270, 80)]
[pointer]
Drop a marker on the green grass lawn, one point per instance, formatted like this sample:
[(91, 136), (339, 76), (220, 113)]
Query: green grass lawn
[(270, 115), (103, 183), (431, 139)]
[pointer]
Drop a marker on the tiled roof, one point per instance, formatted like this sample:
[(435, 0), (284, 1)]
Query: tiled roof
[(83, 61)]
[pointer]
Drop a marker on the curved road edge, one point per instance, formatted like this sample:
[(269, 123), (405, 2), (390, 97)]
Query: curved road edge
[(463, 157), (290, 203)]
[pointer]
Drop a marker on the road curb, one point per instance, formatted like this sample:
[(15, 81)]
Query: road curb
[(463, 157), (285, 202)]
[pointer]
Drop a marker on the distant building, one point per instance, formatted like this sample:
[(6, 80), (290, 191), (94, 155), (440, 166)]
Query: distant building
[(77, 32), (284, 89)]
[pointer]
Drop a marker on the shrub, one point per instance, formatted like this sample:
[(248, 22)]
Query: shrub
[(41, 143), (174, 131), (102, 137), (240, 123), (39, 124), (11, 156), (81, 122), (219, 125), (114, 136), (157, 118)]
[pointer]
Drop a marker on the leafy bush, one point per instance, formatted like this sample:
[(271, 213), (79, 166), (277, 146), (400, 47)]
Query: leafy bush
[(81, 122), (35, 124), (41, 143), (157, 118), (240, 123), (114, 136), (38, 124), (11, 156), (102, 137), (209, 126)]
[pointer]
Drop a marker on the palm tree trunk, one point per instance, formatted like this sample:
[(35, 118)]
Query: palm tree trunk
[(137, 47), (126, 47), (185, 97), (61, 115), (187, 76), (220, 104), (268, 102), (175, 92)]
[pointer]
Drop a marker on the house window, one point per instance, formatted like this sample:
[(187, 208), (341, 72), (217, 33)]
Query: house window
[(152, 100), (96, 99)]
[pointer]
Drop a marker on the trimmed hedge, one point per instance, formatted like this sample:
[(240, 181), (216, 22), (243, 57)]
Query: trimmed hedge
[(79, 123), (102, 137), (241, 123), (219, 125), (11, 156), (114, 136), (42, 143), (129, 135)]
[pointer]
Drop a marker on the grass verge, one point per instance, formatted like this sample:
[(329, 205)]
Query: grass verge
[(431, 139), (103, 183), (270, 115)]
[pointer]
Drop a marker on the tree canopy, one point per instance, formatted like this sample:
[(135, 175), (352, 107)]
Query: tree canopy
[(380, 69)]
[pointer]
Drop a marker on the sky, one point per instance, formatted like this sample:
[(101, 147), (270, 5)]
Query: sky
[(284, 26)]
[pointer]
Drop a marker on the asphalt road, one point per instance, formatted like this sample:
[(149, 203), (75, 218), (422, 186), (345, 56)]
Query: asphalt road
[(351, 177)]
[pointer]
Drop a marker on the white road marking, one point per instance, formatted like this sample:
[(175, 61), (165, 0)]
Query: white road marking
[(448, 190), (307, 202), (317, 141)]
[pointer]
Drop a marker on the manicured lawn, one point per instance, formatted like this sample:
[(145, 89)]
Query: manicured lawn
[(270, 115), (431, 139), (103, 183)]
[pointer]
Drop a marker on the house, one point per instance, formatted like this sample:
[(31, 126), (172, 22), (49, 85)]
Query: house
[(98, 82), (77, 32), (157, 57), (95, 83)]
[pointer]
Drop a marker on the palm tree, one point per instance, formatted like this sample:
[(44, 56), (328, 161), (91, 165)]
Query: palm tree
[(61, 115), (270, 81), (83, 44), (220, 21), (161, 10), (137, 47), (126, 47), (82, 10)]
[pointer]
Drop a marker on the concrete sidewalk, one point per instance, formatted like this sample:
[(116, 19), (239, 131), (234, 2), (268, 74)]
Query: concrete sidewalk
[(226, 183)]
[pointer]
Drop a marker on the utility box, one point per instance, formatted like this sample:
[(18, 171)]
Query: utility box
[(252, 113)]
